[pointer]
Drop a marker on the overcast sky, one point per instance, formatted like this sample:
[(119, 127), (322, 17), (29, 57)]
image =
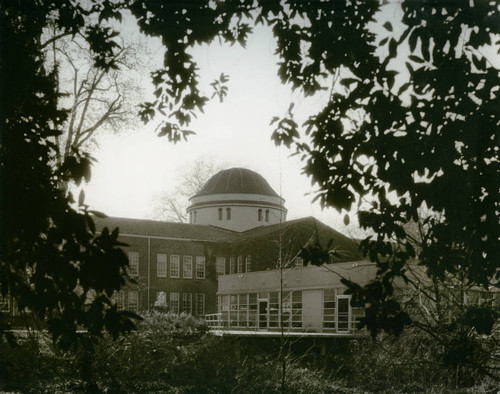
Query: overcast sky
[(136, 165)]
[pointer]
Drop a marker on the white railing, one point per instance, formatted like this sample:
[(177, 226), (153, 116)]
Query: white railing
[(308, 323)]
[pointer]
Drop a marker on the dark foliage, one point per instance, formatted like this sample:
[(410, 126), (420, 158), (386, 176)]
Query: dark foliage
[(52, 261)]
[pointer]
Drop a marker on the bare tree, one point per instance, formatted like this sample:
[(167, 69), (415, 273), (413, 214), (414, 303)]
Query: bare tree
[(97, 99), (172, 206)]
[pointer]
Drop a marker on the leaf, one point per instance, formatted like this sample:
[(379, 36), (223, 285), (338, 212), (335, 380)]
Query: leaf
[(387, 26), (346, 219), (81, 198), (99, 214)]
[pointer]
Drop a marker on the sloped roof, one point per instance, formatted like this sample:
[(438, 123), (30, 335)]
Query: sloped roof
[(166, 229), (298, 231), (237, 181)]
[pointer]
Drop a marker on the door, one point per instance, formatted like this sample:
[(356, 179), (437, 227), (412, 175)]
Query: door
[(343, 313), (263, 314)]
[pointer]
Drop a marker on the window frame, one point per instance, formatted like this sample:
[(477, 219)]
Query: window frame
[(171, 298), (198, 297), (130, 302), (187, 303), (163, 268), (133, 269), (190, 265), (220, 261), (248, 263), (200, 267), (240, 265), (175, 261)]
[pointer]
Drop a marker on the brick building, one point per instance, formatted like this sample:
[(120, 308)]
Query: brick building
[(236, 221)]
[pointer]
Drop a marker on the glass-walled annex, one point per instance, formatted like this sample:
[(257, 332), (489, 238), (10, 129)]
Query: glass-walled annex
[(308, 310), (312, 300)]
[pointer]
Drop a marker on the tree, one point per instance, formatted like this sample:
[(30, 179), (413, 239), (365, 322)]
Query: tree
[(412, 123), (97, 99), (172, 207), (52, 261), (412, 119)]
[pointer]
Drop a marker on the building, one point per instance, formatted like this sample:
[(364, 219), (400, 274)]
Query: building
[(298, 299), (236, 223)]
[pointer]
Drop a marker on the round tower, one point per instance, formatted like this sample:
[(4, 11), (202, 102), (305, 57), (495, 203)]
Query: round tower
[(237, 199)]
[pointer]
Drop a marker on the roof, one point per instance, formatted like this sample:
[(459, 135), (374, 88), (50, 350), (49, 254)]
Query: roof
[(166, 229), (298, 232), (237, 181)]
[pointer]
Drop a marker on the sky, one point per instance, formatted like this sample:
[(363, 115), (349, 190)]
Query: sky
[(136, 165)]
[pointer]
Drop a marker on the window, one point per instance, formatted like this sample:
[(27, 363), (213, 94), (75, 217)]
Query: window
[(220, 266), (174, 302), (194, 216), (200, 267), (174, 265), (161, 265), (133, 260), (200, 304), (299, 262), (120, 300), (259, 215), (232, 267), (248, 263), (187, 267), (133, 300), (187, 303), (220, 213), (228, 213), (267, 215), (329, 308), (240, 265)]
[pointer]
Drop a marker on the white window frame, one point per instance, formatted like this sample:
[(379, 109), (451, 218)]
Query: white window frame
[(232, 266), (200, 267), (133, 261), (220, 262), (175, 263), (240, 265), (187, 267), (187, 303), (248, 263), (161, 265), (133, 298), (299, 262), (174, 302), (200, 304)]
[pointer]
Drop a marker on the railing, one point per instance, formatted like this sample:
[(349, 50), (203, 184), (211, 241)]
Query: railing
[(308, 324)]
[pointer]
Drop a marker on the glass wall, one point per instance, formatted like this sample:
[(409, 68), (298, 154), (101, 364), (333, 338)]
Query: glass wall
[(266, 310)]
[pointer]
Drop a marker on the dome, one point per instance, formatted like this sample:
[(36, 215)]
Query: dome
[(237, 181)]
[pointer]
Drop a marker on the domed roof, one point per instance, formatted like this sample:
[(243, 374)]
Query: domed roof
[(237, 180)]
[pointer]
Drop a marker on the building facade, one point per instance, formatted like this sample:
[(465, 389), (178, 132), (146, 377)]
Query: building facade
[(297, 299), (236, 222)]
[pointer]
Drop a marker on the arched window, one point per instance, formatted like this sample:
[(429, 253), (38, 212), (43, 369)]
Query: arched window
[(259, 215), (267, 215), (194, 217), (228, 213), (220, 213)]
